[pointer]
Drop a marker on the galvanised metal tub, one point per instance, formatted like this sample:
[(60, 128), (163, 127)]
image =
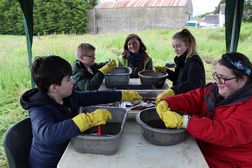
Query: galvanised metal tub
[(118, 77), (154, 130), (109, 140)]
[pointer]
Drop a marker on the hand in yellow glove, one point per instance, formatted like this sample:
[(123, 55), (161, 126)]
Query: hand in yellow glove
[(108, 67), (85, 121), (131, 95), (171, 119), (161, 107), (168, 92), (159, 68)]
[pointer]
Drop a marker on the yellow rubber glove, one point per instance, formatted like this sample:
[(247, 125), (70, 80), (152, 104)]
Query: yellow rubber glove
[(171, 119), (168, 92), (161, 107), (108, 67), (131, 95), (85, 121), (159, 68)]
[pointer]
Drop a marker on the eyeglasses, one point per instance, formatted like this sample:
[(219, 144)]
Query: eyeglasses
[(220, 79), (90, 56)]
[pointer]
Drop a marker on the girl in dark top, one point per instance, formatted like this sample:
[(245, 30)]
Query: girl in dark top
[(189, 71), (134, 55)]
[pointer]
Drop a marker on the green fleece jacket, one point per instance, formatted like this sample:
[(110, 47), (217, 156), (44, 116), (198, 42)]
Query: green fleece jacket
[(83, 79)]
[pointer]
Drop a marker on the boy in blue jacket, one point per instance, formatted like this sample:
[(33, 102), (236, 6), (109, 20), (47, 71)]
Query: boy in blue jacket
[(54, 109)]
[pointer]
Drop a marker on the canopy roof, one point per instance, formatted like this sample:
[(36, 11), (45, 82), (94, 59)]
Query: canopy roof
[(141, 3)]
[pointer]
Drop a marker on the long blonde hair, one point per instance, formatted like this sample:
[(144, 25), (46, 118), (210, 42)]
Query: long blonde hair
[(186, 36)]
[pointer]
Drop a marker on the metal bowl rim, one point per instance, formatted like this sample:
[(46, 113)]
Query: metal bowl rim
[(157, 130), (165, 74), (121, 74)]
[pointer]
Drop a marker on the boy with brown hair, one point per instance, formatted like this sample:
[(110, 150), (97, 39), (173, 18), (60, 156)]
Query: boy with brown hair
[(54, 109)]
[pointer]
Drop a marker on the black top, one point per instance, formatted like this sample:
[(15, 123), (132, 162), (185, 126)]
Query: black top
[(189, 74), (137, 62)]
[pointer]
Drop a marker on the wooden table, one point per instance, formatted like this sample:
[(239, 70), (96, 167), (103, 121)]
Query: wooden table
[(135, 152)]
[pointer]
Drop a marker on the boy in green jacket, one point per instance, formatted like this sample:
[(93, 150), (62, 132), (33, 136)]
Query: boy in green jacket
[(87, 74)]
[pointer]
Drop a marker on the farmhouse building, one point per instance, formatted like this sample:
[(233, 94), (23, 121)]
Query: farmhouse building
[(134, 15)]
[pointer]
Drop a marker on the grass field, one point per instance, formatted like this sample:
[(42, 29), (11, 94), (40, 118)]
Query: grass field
[(15, 75)]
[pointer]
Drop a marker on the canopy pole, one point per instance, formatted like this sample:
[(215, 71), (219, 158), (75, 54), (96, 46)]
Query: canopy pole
[(29, 50), (27, 9), (234, 27)]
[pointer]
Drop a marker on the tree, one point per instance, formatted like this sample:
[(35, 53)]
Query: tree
[(49, 16), (11, 17), (247, 11), (61, 16), (217, 8)]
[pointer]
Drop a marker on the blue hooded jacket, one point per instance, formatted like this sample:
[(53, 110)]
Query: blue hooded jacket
[(52, 124)]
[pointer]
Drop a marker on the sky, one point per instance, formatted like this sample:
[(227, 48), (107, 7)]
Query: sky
[(199, 6), (203, 6)]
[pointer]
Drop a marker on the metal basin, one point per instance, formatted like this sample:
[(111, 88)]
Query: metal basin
[(111, 134), (154, 130), (151, 78), (118, 77)]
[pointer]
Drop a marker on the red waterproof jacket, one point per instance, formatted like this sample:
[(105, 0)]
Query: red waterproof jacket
[(222, 127)]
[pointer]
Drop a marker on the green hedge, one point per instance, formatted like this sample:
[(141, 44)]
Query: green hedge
[(50, 16)]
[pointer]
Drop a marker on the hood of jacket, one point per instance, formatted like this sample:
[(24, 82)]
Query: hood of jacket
[(34, 97)]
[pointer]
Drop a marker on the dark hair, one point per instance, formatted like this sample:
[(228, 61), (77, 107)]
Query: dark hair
[(129, 37), (186, 36), (48, 70), (239, 63)]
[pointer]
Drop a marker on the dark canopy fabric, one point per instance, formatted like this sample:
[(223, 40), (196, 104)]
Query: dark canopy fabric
[(27, 8), (233, 17)]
